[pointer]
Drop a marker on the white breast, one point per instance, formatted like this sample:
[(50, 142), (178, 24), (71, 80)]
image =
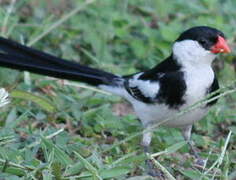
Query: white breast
[(198, 81)]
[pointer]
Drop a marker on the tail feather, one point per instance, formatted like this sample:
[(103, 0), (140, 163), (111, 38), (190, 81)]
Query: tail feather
[(20, 57)]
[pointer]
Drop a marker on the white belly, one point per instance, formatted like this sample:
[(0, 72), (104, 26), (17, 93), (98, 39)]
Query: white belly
[(161, 114)]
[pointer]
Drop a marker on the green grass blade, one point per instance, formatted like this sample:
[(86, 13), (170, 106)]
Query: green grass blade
[(42, 102), (89, 166), (59, 22), (60, 155)]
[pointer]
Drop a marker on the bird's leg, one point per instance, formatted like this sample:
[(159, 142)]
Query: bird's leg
[(187, 136), (147, 138), (152, 170)]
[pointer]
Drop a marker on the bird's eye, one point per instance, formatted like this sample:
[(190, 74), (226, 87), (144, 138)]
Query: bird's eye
[(203, 41)]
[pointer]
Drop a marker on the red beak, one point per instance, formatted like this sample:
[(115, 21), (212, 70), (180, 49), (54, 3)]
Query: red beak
[(221, 46)]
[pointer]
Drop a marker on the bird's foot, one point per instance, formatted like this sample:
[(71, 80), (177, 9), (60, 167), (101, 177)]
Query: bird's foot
[(200, 163), (153, 171)]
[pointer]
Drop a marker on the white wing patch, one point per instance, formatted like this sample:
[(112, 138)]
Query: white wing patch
[(149, 89)]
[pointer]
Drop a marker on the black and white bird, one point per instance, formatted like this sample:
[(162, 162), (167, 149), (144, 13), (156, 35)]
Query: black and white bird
[(181, 80)]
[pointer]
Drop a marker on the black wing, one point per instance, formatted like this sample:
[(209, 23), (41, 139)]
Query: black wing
[(165, 88), (214, 87)]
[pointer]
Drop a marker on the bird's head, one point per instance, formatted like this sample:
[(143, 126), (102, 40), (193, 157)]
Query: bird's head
[(199, 45)]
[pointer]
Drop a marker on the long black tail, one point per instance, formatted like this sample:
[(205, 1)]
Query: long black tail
[(16, 56)]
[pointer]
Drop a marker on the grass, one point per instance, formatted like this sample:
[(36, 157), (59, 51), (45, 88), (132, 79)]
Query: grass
[(56, 130)]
